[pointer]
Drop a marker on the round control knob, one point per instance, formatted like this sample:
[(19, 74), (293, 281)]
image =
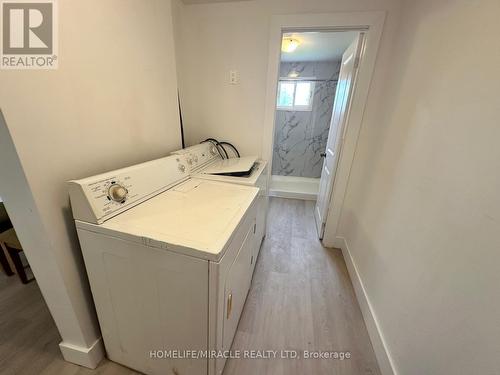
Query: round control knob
[(182, 168), (189, 161), (117, 192), (213, 150), (195, 158)]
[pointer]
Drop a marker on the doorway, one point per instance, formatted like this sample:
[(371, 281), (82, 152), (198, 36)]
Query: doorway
[(308, 80), (312, 157), (316, 79)]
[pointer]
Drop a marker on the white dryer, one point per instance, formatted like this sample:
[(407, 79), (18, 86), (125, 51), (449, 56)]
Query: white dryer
[(169, 260), (204, 162)]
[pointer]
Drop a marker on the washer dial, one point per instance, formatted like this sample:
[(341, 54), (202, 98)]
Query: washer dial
[(117, 192)]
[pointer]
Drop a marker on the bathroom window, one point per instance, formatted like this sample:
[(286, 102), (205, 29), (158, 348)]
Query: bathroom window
[(295, 95)]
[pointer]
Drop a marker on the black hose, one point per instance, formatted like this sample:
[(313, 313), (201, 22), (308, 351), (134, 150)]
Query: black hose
[(232, 146), (224, 149), (218, 146)]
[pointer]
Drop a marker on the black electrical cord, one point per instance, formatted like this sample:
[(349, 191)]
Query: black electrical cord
[(180, 117), (232, 146), (218, 146)]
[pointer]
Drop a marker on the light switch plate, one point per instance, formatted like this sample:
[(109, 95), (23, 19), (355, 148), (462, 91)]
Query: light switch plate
[(234, 77)]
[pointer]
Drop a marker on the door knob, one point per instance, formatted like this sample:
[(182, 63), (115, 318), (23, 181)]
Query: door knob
[(323, 154)]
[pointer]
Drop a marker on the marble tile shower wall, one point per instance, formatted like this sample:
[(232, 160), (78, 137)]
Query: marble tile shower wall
[(300, 136)]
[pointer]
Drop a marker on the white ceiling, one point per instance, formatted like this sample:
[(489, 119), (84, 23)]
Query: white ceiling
[(319, 46)]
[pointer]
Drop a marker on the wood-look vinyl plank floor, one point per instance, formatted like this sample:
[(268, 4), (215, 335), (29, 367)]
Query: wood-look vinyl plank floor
[(301, 299)]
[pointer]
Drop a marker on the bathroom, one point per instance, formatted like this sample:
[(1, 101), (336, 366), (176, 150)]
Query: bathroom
[(309, 73)]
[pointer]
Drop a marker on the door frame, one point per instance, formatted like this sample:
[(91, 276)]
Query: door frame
[(371, 23)]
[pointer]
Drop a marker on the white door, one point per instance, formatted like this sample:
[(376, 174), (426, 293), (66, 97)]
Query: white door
[(348, 69)]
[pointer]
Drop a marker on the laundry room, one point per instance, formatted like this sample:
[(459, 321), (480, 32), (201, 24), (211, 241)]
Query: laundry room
[(219, 187)]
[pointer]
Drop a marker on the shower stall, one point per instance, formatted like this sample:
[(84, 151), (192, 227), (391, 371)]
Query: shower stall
[(306, 94)]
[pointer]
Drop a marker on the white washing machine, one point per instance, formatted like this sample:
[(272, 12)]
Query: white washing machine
[(204, 162), (169, 260)]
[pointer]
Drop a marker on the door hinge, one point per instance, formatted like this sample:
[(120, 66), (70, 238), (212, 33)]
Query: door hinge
[(356, 62), (322, 231), (229, 307)]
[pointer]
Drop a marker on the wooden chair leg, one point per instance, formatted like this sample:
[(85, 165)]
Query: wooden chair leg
[(16, 258), (5, 263)]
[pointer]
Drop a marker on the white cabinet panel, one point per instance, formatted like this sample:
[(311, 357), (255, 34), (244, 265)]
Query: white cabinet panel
[(147, 299), (236, 288)]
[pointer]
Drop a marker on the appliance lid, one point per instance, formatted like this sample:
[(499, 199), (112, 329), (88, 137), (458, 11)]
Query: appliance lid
[(197, 218), (257, 177), (231, 166)]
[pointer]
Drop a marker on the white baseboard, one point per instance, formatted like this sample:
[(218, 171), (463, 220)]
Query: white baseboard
[(384, 359), (87, 357), (294, 187), (338, 243), (292, 195)]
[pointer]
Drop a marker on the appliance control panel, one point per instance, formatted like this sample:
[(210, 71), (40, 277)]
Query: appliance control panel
[(98, 198), (198, 156)]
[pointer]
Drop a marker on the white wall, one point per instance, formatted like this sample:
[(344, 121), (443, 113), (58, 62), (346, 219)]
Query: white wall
[(111, 103), (301, 136), (421, 213), (421, 216), (212, 39)]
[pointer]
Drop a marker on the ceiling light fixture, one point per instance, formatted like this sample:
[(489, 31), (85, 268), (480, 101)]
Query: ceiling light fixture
[(289, 45), (293, 74)]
